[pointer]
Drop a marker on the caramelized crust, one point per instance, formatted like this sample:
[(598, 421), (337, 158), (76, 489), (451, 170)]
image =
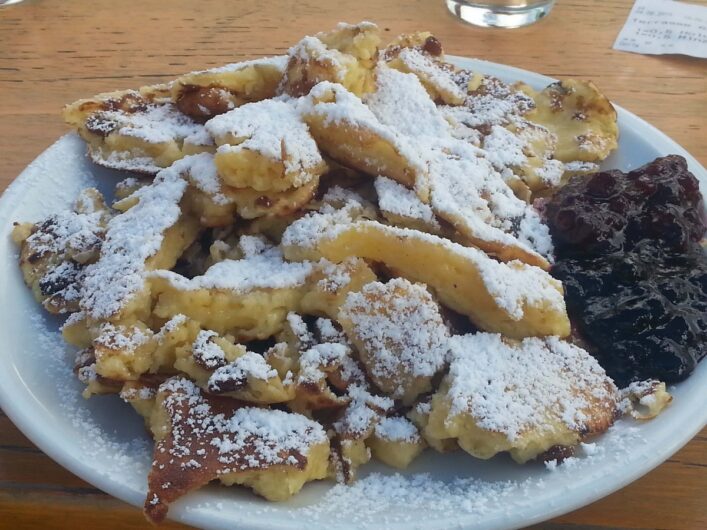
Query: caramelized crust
[(136, 130), (208, 93), (200, 438), (581, 117)]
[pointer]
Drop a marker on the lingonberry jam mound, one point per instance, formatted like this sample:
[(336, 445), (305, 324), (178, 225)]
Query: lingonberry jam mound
[(613, 211), (645, 316), (634, 272)]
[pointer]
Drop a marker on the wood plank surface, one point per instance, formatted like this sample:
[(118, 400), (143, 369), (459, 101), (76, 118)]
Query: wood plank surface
[(52, 52)]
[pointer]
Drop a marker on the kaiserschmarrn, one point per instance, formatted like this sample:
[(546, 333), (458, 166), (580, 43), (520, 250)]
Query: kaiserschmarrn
[(328, 257)]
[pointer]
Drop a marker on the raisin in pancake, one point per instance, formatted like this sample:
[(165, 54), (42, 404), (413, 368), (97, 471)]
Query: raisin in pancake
[(55, 252), (207, 93)]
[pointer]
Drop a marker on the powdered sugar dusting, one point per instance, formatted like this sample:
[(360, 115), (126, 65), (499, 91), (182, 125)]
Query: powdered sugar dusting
[(264, 270), (349, 110), (249, 438), (156, 124), (131, 238), (203, 175), (511, 388), (308, 230), (397, 429), (125, 461), (492, 102), (278, 62), (377, 498), (433, 71), (273, 129), (206, 352), (249, 365), (313, 361), (469, 193), (400, 325), (512, 286), (396, 199), (400, 101), (312, 48)]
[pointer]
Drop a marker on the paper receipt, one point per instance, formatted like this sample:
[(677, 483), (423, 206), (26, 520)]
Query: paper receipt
[(664, 26)]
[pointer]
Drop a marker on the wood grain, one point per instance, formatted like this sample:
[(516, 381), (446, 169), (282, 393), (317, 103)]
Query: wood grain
[(54, 52)]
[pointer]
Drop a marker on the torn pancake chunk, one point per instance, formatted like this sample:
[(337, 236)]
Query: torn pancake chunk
[(221, 367), (526, 150), (248, 297), (345, 55), (580, 116), (396, 442), (401, 207), (522, 397), (204, 94), (435, 75), (347, 130), (489, 101), (514, 298), (133, 131), (644, 400), (401, 102), (216, 203), (201, 438), (127, 351), (55, 252), (265, 146), (399, 335), (467, 192), (315, 366), (332, 282), (354, 426), (150, 235)]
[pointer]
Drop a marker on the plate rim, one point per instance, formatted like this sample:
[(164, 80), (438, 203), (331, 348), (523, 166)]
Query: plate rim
[(40, 435)]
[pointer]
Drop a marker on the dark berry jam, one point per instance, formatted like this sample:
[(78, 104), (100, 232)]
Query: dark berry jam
[(613, 211), (635, 275)]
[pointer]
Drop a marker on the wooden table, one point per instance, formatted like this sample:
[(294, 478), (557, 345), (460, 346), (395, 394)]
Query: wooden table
[(52, 52)]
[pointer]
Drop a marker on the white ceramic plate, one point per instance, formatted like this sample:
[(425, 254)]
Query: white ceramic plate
[(104, 442)]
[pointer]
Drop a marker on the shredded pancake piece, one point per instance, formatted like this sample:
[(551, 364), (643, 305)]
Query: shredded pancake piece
[(513, 298), (265, 146), (344, 55), (523, 397), (436, 75), (135, 131), (469, 194), (401, 102), (151, 234), (55, 252), (248, 297), (401, 207), (207, 93), (399, 334), (203, 438), (346, 129)]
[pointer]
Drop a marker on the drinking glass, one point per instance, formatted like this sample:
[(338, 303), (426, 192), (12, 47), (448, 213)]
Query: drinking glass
[(500, 13)]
